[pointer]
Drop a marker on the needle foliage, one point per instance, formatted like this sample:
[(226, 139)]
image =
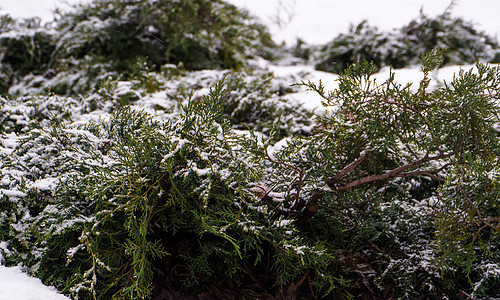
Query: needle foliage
[(392, 193)]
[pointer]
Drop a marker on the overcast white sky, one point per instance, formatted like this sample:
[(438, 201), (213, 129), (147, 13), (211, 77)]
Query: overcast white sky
[(319, 21)]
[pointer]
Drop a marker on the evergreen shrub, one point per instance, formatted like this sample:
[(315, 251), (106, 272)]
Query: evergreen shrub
[(148, 207), (199, 34), (254, 102), (414, 176), (460, 40), (28, 50), (110, 37), (394, 193)]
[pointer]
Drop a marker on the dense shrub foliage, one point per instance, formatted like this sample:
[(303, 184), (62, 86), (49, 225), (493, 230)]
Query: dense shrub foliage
[(394, 193), (188, 198), (111, 37), (165, 180), (25, 48), (461, 42), (200, 34)]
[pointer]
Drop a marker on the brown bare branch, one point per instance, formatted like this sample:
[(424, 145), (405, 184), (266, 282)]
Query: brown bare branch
[(398, 172), (351, 167), (410, 149)]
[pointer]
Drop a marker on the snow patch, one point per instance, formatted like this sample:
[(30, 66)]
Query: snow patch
[(15, 284), (45, 184)]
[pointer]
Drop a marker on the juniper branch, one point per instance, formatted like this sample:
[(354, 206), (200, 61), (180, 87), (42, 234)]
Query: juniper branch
[(398, 172), (351, 167)]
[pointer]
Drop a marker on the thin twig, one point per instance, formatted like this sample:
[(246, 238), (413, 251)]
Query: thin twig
[(371, 199), (478, 212), (419, 113), (294, 168), (310, 287), (299, 283), (345, 217)]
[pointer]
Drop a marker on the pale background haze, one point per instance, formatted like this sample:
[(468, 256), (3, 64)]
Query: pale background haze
[(319, 21)]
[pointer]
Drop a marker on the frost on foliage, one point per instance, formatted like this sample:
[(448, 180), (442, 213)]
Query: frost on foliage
[(176, 170), (460, 41), (25, 47), (67, 171), (85, 46)]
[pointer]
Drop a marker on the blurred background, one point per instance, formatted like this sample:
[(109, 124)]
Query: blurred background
[(318, 21)]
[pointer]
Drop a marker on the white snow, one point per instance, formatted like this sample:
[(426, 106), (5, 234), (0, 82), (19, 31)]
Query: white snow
[(46, 184), (15, 284), (312, 100), (12, 193), (277, 147), (314, 21)]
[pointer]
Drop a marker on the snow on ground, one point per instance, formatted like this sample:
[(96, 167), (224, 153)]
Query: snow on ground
[(315, 21), (311, 100), (15, 285)]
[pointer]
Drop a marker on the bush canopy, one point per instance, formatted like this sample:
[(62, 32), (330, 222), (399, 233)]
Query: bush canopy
[(460, 41), (393, 193), (165, 180), (104, 38)]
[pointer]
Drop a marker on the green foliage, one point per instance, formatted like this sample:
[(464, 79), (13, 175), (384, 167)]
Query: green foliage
[(363, 42), (197, 33), (27, 52), (235, 191), (251, 102), (142, 198), (461, 42), (301, 51), (391, 191), (382, 134), (103, 38)]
